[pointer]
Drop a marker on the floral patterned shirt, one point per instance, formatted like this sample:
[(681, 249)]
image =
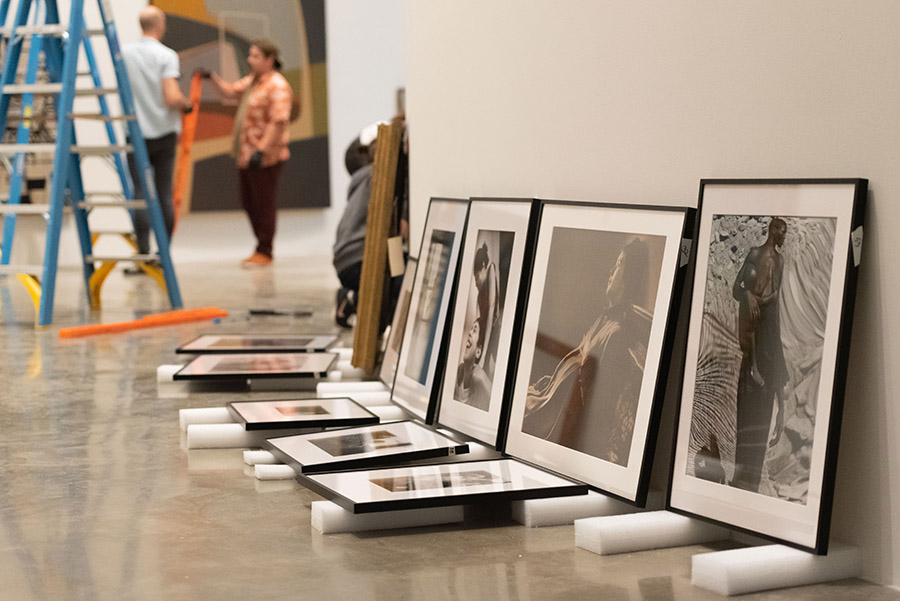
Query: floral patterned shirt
[(270, 101)]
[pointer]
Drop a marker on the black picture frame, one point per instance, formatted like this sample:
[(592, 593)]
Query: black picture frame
[(242, 367), (599, 325), (300, 413), (257, 343), (423, 352), (363, 447), (465, 483), (735, 461), (485, 321)]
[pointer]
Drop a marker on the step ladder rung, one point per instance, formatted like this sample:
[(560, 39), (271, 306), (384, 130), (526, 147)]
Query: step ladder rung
[(98, 117), (107, 150), (94, 31), (51, 29), (95, 91), (8, 149), (33, 88), (24, 209), (14, 269), (133, 258), (112, 204), (112, 232)]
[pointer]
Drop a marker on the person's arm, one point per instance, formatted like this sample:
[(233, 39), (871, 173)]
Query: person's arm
[(173, 97), (229, 90), (745, 280), (279, 116)]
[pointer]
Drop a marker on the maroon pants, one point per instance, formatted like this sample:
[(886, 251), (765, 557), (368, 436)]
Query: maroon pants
[(258, 188)]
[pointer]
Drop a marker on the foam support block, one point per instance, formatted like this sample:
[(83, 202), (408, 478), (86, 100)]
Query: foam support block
[(324, 389), (366, 399), (229, 436), (344, 353), (164, 373), (273, 472), (204, 415), (609, 535), (536, 513), (260, 458), (329, 518), (752, 569), (349, 372), (389, 413)]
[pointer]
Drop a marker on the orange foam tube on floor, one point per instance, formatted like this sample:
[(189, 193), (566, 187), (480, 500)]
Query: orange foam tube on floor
[(148, 321)]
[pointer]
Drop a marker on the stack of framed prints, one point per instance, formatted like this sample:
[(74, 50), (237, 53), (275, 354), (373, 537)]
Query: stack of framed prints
[(248, 366), (421, 486), (765, 366), (257, 343), (597, 336), (300, 413)]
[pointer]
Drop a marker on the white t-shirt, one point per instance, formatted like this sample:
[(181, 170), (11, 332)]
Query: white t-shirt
[(149, 62)]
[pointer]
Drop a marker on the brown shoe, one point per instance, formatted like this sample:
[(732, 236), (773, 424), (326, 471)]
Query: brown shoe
[(256, 260)]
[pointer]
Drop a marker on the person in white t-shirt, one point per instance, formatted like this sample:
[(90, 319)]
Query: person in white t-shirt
[(153, 70)]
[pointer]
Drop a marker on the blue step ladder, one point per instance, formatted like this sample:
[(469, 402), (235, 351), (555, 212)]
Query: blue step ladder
[(61, 47)]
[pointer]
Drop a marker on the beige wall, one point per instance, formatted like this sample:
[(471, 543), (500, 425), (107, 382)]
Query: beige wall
[(631, 101)]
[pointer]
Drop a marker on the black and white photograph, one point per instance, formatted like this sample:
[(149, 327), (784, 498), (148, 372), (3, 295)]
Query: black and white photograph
[(760, 373), (483, 317), (257, 343), (423, 347), (257, 365), (365, 446), (595, 330), (495, 481), (300, 413)]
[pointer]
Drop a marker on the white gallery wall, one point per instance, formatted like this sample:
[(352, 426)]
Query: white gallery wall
[(636, 101)]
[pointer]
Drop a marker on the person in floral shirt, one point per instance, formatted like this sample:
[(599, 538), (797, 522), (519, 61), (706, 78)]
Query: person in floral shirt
[(260, 140)]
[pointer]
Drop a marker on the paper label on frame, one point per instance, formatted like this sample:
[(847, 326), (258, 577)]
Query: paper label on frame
[(685, 252), (856, 240), (395, 256)]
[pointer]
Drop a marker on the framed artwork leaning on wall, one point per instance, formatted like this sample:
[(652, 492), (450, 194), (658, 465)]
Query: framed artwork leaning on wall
[(766, 359)]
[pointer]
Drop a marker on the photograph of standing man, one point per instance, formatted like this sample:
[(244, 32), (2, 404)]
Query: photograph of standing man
[(260, 144), (763, 371), (153, 70)]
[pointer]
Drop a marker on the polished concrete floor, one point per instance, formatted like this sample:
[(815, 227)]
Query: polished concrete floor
[(99, 500)]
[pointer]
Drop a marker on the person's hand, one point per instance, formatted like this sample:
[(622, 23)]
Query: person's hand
[(203, 73), (187, 107), (255, 160), (753, 305)]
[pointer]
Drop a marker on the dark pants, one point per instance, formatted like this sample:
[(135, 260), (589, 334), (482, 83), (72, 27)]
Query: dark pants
[(162, 161), (258, 187)]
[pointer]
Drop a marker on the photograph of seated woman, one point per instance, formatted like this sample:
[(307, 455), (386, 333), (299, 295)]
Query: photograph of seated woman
[(484, 310), (588, 399)]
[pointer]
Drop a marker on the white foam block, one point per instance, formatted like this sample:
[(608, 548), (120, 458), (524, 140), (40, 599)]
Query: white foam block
[(740, 571), (260, 458), (164, 373), (344, 388), (220, 436), (344, 353), (334, 375), (273, 472), (348, 372), (535, 513), (389, 413), (329, 518), (204, 415), (608, 535), (371, 399)]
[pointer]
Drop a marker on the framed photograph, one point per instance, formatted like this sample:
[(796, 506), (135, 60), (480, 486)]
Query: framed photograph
[(486, 309), (398, 326), (300, 413), (364, 446), (422, 352), (596, 342), (257, 365), (439, 485), (765, 365), (257, 343)]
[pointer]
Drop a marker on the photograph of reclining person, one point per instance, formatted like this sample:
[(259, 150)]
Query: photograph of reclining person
[(591, 346)]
